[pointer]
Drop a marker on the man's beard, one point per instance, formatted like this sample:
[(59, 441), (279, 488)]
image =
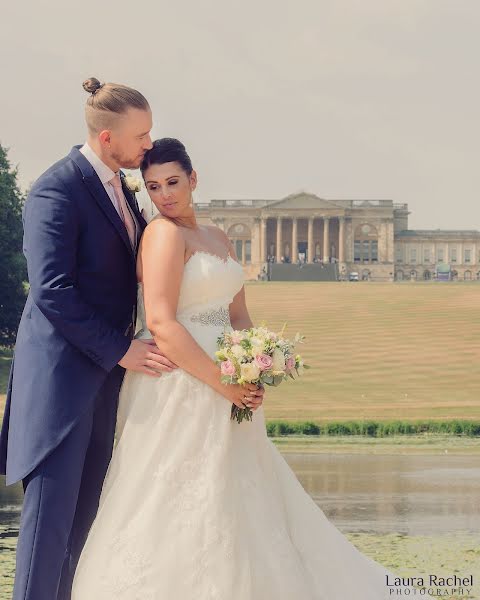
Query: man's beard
[(125, 162)]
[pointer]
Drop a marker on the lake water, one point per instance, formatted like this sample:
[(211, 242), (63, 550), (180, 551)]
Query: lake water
[(364, 493)]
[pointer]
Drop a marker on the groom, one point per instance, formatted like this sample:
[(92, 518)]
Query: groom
[(75, 339)]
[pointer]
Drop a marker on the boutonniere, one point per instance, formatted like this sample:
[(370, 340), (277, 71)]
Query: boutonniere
[(133, 183)]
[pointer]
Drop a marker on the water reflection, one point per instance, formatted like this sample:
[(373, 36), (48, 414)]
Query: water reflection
[(364, 493), (380, 494)]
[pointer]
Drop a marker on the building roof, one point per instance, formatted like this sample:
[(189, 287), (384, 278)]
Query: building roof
[(300, 200), (303, 200), (434, 233)]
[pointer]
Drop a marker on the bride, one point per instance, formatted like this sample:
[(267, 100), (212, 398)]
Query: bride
[(196, 506)]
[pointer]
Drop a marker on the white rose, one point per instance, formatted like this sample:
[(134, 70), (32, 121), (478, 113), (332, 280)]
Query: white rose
[(278, 360), (256, 351), (133, 183), (237, 351), (257, 346), (249, 371)]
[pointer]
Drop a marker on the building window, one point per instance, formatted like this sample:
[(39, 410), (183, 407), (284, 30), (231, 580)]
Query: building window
[(453, 255), (426, 255), (238, 249), (356, 251), (413, 255), (241, 238), (365, 250), (365, 244), (468, 255), (248, 251), (440, 255), (399, 254)]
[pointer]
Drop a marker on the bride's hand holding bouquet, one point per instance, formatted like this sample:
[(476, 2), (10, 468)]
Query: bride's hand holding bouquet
[(256, 356)]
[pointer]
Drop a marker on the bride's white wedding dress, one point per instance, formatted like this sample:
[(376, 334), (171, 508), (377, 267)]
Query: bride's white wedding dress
[(196, 506)]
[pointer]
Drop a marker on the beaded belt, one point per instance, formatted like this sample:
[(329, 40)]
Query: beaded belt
[(215, 316)]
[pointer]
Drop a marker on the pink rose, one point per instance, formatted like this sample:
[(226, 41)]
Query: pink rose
[(290, 363), (227, 367), (237, 337), (264, 362)]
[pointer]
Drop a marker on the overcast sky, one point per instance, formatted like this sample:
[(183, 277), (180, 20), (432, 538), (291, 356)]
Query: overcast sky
[(341, 98)]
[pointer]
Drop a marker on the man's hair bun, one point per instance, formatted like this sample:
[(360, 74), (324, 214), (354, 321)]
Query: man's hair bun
[(92, 85)]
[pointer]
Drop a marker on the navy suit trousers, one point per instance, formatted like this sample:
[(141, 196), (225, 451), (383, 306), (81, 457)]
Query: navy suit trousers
[(61, 498)]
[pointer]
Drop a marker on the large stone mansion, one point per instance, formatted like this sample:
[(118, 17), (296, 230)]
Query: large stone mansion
[(370, 237)]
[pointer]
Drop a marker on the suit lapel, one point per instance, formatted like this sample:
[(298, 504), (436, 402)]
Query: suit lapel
[(97, 190), (99, 193)]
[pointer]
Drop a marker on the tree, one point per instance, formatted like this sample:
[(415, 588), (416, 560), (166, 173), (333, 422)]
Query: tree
[(13, 270)]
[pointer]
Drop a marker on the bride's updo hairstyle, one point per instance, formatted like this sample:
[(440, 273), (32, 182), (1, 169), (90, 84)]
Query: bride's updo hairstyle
[(108, 101), (167, 150)]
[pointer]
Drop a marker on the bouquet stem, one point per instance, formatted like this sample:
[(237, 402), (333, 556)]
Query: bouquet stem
[(241, 413)]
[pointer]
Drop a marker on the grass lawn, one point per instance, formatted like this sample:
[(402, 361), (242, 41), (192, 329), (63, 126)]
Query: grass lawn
[(377, 350), (428, 443)]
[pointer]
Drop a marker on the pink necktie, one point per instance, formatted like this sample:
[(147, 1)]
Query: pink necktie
[(124, 210)]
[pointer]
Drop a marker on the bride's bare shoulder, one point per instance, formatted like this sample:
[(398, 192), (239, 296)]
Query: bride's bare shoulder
[(160, 231), (161, 221), (165, 225)]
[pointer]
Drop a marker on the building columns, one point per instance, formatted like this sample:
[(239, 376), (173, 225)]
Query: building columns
[(263, 240), (294, 252), (310, 248), (279, 239), (326, 241), (341, 240)]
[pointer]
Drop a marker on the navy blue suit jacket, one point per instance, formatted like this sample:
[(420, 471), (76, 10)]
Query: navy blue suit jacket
[(77, 320)]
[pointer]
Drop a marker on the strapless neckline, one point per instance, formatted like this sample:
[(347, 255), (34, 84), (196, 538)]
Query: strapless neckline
[(206, 253)]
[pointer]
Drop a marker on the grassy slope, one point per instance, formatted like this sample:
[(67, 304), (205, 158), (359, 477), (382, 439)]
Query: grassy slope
[(377, 350)]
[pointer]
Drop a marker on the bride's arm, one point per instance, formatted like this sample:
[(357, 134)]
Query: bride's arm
[(239, 317), (162, 259)]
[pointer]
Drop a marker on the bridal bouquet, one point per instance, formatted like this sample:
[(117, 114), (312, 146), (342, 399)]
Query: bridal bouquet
[(257, 355)]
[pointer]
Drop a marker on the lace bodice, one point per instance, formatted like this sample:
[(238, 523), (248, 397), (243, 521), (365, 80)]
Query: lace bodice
[(208, 286)]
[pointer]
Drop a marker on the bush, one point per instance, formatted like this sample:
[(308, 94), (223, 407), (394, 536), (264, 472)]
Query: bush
[(373, 428)]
